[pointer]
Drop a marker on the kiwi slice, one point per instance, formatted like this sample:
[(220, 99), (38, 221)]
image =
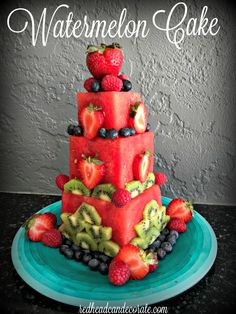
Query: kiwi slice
[(75, 186), (150, 210), (152, 235), (89, 214), (109, 248), (65, 232), (159, 218), (104, 191), (135, 188), (72, 223), (85, 241), (150, 181), (140, 242), (166, 220), (143, 228), (99, 233)]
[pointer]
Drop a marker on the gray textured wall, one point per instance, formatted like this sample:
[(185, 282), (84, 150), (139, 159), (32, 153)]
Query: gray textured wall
[(190, 94)]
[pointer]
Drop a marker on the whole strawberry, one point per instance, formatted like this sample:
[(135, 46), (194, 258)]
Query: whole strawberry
[(105, 59), (177, 224), (61, 179), (52, 238), (179, 208), (160, 178), (118, 273), (37, 225), (111, 83), (121, 197)]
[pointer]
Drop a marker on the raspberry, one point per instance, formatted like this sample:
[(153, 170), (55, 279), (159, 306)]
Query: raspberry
[(52, 238), (119, 273), (177, 224), (153, 267), (160, 178), (88, 83), (123, 77), (121, 197), (111, 83), (61, 179)]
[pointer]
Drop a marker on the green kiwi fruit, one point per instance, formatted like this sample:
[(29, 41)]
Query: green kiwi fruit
[(75, 186), (150, 210), (152, 235), (135, 188), (104, 191), (143, 228), (65, 232), (165, 222), (159, 218), (99, 233), (150, 181), (140, 242), (89, 214), (109, 248), (72, 223), (85, 241)]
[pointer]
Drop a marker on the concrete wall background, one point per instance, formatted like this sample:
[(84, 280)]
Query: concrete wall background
[(190, 94)]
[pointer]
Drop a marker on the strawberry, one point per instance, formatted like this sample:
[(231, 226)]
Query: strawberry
[(92, 119), (52, 217), (111, 83), (141, 166), (103, 60), (121, 197), (37, 225), (52, 238), (153, 267), (160, 178), (61, 179), (118, 273), (88, 84), (138, 117), (136, 259), (179, 208), (91, 171), (123, 77), (177, 224)]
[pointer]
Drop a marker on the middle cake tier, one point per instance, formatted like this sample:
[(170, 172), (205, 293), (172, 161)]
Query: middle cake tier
[(117, 154)]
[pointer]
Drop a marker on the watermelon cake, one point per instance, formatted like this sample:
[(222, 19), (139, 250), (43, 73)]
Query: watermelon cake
[(112, 218)]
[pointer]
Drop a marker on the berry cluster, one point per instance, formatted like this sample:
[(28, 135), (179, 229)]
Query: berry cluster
[(123, 132), (96, 261), (74, 130), (108, 83)]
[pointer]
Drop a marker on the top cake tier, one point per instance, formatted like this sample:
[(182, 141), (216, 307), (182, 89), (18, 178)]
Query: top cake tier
[(115, 106)]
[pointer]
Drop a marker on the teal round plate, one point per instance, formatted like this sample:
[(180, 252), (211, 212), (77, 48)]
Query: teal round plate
[(70, 282)]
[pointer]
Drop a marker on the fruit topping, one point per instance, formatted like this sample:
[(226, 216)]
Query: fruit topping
[(74, 130), (104, 191), (124, 132), (132, 131), (109, 248), (37, 225), (102, 132), (121, 197), (141, 166), (175, 233), (134, 187), (93, 264), (160, 178), (138, 117), (88, 84), (52, 238), (177, 224), (119, 272), (104, 60), (153, 267), (95, 86), (88, 214), (91, 171), (127, 85), (84, 240), (92, 119), (150, 181), (112, 133), (150, 210), (61, 180), (161, 253), (166, 246), (111, 83), (99, 233), (179, 208), (123, 76), (75, 186)]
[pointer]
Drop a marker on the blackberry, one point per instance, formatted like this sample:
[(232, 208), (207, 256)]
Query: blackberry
[(112, 133), (127, 85), (95, 86), (102, 132), (124, 132)]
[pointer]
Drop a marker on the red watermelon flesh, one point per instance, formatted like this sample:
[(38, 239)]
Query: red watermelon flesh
[(117, 155), (121, 220), (115, 105)]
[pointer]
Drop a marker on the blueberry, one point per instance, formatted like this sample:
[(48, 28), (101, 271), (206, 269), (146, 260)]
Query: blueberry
[(103, 268), (93, 264), (63, 247), (68, 242), (104, 258), (132, 131), (86, 258), (70, 129), (78, 255), (78, 131), (124, 132), (75, 247), (112, 133), (69, 253), (161, 253), (95, 86), (127, 85), (96, 255), (174, 232), (86, 251), (161, 237), (155, 245), (166, 246), (148, 127), (102, 132), (172, 239), (165, 232)]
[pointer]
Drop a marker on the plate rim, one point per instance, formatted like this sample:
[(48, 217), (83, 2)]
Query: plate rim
[(76, 301)]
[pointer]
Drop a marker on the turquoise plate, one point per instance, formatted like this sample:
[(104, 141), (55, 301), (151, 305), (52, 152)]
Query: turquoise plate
[(68, 281)]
